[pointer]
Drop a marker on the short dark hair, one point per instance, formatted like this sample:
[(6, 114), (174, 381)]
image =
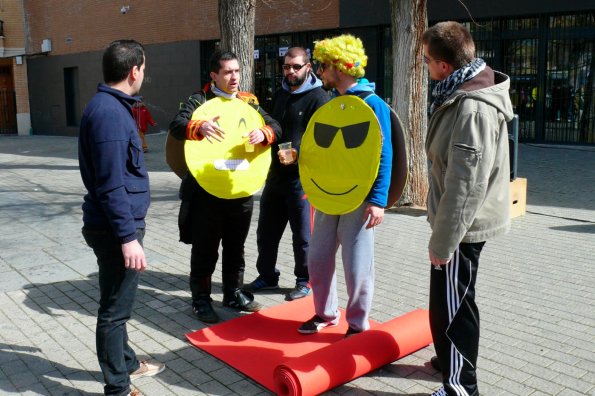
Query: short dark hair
[(119, 58), (217, 57), (450, 42), (298, 51)]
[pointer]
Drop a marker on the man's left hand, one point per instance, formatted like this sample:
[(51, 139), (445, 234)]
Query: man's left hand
[(375, 214), (436, 260), (255, 137)]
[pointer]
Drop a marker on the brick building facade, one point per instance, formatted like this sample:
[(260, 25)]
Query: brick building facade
[(547, 47), (14, 96)]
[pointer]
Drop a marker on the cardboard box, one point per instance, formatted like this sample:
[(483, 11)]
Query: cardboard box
[(518, 197)]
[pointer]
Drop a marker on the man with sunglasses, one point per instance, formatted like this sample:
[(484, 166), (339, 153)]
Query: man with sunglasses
[(468, 201), (283, 199), (342, 61)]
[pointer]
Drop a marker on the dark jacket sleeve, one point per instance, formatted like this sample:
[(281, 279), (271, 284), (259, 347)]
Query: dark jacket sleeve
[(177, 128), (270, 121)]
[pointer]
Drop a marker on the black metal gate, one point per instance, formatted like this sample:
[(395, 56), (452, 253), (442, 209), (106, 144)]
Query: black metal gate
[(551, 64)]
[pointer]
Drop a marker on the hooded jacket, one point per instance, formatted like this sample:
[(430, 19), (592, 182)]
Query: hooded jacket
[(293, 110), (378, 194), (468, 164)]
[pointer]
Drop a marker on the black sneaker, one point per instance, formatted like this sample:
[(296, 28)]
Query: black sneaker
[(434, 362), (260, 284), (204, 311), (351, 332), (315, 324), (242, 301)]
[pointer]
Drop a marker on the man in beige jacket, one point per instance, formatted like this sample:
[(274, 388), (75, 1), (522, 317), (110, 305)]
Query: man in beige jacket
[(468, 201)]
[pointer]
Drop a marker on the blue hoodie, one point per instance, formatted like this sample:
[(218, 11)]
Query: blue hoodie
[(112, 165), (379, 193)]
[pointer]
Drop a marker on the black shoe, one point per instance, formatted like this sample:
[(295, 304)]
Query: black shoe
[(315, 324), (435, 363), (204, 311), (242, 301), (351, 332)]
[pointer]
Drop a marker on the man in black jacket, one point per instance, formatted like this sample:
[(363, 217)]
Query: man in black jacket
[(207, 220), (283, 199)]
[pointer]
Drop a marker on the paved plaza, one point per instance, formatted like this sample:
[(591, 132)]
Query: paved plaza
[(535, 288)]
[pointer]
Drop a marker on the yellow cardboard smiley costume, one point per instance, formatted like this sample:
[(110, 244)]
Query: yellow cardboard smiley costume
[(340, 155), (226, 169)]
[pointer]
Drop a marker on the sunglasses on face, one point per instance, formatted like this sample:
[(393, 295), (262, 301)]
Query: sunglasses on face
[(294, 67), (322, 67), (353, 135)]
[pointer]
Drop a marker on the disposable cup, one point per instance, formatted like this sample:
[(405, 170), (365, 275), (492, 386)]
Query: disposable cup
[(285, 149)]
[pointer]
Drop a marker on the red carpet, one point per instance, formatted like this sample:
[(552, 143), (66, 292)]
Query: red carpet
[(266, 347)]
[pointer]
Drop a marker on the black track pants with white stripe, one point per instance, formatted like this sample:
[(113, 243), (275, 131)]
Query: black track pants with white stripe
[(454, 319)]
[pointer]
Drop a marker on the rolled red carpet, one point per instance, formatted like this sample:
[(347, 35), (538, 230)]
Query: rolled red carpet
[(267, 347), (345, 360)]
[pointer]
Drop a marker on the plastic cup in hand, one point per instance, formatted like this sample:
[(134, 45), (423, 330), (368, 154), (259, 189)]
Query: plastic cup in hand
[(285, 149), (248, 147)]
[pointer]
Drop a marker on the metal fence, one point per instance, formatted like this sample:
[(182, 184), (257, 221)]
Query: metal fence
[(550, 61)]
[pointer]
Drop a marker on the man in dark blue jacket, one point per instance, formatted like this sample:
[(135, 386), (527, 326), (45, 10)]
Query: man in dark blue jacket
[(283, 199), (114, 209)]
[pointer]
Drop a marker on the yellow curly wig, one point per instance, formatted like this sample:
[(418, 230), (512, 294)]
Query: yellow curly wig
[(345, 53)]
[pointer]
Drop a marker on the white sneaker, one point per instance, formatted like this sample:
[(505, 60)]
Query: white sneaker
[(147, 369), (439, 392)]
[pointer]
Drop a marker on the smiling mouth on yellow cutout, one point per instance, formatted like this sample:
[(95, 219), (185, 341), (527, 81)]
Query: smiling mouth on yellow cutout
[(331, 193)]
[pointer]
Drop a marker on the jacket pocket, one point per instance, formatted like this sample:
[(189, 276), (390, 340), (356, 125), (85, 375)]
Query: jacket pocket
[(136, 185), (135, 152), (465, 159), (138, 194)]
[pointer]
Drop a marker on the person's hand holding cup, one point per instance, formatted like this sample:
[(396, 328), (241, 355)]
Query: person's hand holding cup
[(287, 155)]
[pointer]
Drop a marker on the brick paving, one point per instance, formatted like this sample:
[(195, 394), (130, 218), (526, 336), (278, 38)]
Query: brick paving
[(535, 285)]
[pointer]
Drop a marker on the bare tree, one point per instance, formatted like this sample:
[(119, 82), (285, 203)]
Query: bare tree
[(236, 21), (409, 21)]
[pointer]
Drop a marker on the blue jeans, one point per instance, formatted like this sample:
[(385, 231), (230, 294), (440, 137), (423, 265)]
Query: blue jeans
[(117, 287), (280, 204)]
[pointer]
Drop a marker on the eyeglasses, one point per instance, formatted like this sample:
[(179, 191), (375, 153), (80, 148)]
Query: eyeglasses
[(322, 67), (294, 67)]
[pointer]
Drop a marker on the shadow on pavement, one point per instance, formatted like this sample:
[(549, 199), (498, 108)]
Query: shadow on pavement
[(42, 370), (158, 306), (580, 228)]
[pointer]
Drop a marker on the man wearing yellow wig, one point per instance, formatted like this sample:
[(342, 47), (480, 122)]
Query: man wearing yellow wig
[(341, 64)]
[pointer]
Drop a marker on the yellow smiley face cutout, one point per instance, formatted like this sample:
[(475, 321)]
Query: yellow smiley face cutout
[(230, 168), (340, 155)]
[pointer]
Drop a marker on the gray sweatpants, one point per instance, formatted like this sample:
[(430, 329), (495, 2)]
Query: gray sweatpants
[(357, 248)]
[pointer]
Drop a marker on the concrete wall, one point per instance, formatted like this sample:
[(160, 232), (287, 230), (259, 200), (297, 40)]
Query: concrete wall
[(171, 75)]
